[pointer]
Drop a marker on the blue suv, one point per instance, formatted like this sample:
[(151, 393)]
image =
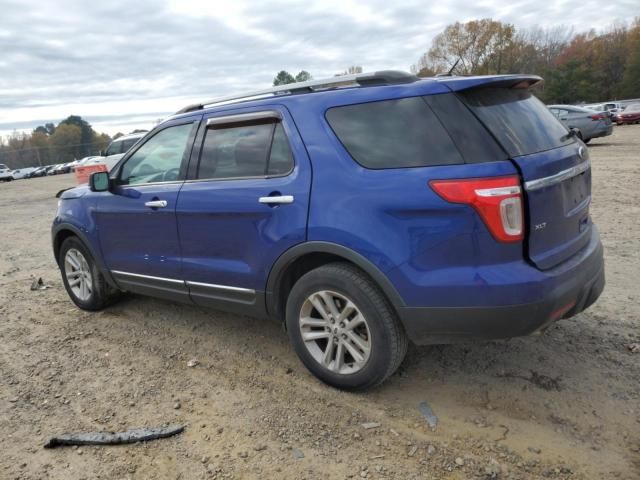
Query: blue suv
[(361, 212)]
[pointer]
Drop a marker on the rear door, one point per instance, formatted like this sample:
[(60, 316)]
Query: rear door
[(554, 167), (245, 204)]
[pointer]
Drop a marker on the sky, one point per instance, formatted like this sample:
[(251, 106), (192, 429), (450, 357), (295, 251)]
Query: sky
[(127, 64)]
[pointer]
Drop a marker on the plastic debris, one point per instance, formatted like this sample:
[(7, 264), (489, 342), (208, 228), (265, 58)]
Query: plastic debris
[(428, 414), (38, 284), (111, 438), (370, 425)]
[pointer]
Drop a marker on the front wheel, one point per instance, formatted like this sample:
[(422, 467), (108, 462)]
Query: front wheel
[(343, 328), (82, 279)]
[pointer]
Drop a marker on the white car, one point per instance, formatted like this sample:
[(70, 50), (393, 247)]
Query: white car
[(84, 161), (5, 173), (22, 172)]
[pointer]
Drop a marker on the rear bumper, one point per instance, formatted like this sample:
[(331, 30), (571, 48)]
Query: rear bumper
[(602, 131), (571, 292)]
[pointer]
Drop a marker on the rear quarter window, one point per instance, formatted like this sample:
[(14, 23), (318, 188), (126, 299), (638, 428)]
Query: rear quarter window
[(393, 134)]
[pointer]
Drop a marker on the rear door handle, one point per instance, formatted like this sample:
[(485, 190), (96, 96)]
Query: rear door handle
[(156, 204), (276, 199)]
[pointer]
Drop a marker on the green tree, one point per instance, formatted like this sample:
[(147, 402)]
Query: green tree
[(303, 76), (630, 85), (39, 143), (87, 135), (283, 78), (64, 142)]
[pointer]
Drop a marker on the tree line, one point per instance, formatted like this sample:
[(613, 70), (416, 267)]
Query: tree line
[(73, 138), (577, 67)]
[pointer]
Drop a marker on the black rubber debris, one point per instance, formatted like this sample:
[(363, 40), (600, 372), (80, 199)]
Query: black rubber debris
[(111, 438)]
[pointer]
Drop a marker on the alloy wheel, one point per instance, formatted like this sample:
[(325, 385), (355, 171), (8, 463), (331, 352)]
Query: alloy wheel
[(78, 273), (335, 332)]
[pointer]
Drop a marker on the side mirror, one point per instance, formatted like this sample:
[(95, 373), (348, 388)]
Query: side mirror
[(99, 182)]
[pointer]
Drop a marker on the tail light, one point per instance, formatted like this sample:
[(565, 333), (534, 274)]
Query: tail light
[(497, 200), (598, 116)]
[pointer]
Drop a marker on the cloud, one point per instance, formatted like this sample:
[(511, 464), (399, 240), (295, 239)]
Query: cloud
[(122, 59)]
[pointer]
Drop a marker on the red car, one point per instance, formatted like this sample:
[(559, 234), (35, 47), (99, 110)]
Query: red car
[(629, 115)]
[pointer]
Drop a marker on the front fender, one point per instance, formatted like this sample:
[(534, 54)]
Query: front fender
[(76, 217)]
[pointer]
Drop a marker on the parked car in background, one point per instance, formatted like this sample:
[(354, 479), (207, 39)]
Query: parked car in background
[(611, 107), (630, 115), (54, 169), (38, 172), (116, 150), (5, 173), (84, 161), (360, 211), (22, 172), (586, 123)]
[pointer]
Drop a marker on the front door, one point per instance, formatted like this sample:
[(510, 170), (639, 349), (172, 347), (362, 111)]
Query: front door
[(137, 218), (245, 206)]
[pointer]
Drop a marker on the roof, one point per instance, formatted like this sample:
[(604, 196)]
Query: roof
[(354, 89)]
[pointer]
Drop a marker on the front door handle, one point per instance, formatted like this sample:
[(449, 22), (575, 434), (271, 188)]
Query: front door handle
[(156, 204), (276, 199)]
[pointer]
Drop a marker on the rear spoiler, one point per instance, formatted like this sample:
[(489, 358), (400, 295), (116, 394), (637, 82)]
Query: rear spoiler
[(459, 84)]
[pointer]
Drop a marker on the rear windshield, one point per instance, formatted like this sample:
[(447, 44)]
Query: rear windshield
[(518, 120)]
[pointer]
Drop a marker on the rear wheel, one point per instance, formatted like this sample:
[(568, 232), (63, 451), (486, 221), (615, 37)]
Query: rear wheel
[(343, 328), (82, 279)]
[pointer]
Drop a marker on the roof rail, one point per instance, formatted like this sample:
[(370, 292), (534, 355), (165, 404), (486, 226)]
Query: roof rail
[(384, 77)]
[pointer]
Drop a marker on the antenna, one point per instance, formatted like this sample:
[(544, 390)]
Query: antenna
[(450, 72)]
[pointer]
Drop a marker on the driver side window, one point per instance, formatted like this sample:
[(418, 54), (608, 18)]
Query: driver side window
[(159, 159)]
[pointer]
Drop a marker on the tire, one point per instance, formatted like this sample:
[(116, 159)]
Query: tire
[(379, 330), (98, 293)]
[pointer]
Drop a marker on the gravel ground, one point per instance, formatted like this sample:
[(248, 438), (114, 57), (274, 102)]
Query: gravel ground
[(563, 405)]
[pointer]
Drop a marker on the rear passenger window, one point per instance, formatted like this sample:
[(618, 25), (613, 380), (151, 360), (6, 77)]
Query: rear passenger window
[(237, 151), (393, 134)]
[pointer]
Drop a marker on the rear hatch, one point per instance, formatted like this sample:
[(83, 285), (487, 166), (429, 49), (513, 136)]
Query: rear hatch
[(554, 165)]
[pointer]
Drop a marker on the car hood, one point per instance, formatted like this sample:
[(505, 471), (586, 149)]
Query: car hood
[(74, 192)]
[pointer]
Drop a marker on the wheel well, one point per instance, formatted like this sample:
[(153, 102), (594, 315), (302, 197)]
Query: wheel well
[(297, 269), (59, 239)]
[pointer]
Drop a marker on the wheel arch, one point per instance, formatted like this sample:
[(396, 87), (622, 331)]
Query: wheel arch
[(63, 231), (304, 257)]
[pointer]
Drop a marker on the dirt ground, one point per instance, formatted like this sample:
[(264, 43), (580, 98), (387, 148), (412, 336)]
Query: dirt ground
[(564, 405)]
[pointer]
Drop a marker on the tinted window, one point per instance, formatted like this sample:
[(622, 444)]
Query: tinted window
[(245, 151), (280, 159), (159, 158), (127, 144), (520, 122), (114, 148), (393, 134), (469, 135)]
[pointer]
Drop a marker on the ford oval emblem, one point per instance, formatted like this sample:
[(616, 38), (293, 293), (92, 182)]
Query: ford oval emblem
[(581, 152)]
